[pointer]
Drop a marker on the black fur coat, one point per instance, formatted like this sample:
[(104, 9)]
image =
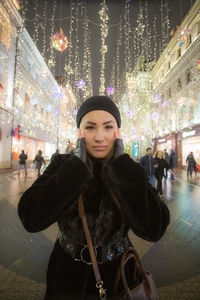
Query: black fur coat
[(53, 198)]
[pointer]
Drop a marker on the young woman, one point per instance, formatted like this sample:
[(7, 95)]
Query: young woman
[(117, 196), (159, 172)]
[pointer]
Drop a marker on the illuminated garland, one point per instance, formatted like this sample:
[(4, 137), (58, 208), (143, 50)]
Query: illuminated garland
[(104, 32), (59, 41)]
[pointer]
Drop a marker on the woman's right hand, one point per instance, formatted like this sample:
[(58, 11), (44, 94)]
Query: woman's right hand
[(80, 150)]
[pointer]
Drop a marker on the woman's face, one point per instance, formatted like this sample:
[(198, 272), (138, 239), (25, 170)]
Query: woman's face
[(160, 154), (99, 129)]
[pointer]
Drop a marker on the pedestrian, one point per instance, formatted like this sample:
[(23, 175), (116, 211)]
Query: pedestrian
[(159, 171), (116, 194), (39, 160), (191, 164), (69, 148), (54, 154), (172, 163), (149, 165), (166, 157), (22, 162)]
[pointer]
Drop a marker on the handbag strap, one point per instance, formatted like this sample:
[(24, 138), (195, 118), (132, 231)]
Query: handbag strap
[(99, 282)]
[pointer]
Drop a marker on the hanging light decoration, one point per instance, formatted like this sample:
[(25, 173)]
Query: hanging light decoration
[(59, 41), (156, 98), (182, 35), (104, 32), (110, 90), (58, 92), (81, 84)]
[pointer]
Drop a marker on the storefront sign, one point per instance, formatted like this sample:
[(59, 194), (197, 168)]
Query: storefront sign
[(135, 149), (188, 133), (161, 141)]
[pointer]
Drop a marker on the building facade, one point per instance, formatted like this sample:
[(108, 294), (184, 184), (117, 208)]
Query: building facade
[(176, 79), (34, 109)]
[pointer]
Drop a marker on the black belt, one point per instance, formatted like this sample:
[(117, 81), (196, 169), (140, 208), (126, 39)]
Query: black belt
[(81, 253)]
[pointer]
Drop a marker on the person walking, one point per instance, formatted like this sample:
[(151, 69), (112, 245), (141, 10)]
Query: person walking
[(39, 160), (191, 165), (166, 157), (54, 154), (159, 171), (149, 165), (117, 197), (172, 163), (22, 162)]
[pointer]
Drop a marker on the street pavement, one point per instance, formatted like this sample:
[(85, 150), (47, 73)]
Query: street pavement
[(174, 261)]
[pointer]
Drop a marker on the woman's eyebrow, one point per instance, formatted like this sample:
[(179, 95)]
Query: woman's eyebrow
[(91, 123), (107, 122)]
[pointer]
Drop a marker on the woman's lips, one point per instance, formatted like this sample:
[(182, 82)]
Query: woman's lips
[(99, 148)]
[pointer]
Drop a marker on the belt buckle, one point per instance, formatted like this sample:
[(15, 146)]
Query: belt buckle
[(82, 253)]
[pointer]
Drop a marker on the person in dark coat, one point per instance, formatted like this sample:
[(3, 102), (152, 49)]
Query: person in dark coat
[(22, 162), (172, 163), (191, 164), (39, 160), (149, 165), (159, 171), (166, 157), (54, 154), (117, 197)]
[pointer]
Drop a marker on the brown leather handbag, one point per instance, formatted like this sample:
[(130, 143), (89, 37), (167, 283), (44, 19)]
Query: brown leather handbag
[(142, 287)]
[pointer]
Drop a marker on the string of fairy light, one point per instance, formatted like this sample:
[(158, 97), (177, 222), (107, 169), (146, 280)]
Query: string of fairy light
[(103, 13)]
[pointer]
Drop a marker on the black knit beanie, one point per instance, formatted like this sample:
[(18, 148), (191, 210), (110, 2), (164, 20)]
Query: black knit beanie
[(98, 103)]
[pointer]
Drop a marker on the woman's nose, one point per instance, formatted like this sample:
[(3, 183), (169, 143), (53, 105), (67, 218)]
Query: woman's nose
[(99, 135)]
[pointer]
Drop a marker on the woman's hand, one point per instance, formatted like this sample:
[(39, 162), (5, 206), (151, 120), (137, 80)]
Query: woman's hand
[(80, 150), (118, 144)]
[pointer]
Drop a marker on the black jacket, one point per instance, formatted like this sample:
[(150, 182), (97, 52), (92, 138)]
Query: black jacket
[(147, 162), (53, 198), (162, 164), (22, 158)]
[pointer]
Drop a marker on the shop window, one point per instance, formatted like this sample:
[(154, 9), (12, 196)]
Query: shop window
[(169, 92), (178, 53), (5, 28), (181, 115), (188, 76), (198, 30), (191, 112), (169, 65), (179, 84), (189, 41), (27, 103)]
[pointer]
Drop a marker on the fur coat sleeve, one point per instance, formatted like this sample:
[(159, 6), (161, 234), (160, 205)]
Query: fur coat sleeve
[(146, 214), (53, 192)]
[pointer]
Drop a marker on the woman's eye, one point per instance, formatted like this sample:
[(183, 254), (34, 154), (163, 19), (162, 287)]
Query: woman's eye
[(89, 127), (109, 127)]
